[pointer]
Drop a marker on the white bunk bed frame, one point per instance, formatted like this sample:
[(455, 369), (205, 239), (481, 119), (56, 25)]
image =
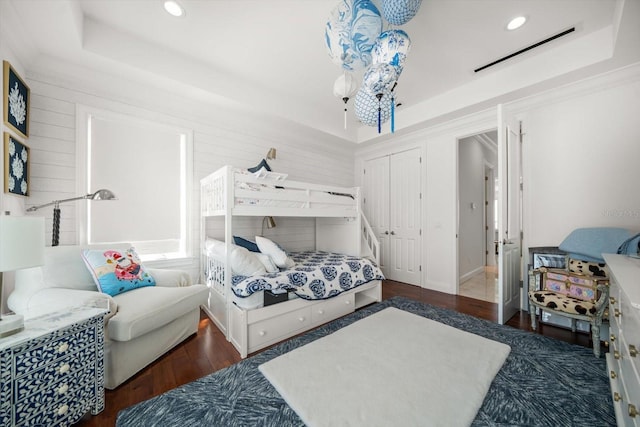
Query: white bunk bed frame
[(340, 227)]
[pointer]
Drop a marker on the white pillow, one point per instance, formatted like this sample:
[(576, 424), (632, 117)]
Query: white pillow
[(267, 262), (268, 247), (245, 263), (289, 263), (214, 247)]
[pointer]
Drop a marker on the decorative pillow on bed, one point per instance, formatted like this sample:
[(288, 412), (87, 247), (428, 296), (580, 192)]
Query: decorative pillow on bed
[(240, 241), (277, 254), (245, 263), (262, 164), (268, 263), (115, 272)]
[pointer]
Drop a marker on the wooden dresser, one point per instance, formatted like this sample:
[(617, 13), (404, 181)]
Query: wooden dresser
[(52, 373), (623, 360)]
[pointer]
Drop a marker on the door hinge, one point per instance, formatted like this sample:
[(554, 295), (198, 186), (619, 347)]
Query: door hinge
[(420, 268), (420, 196), (364, 200), (364, 171), (420, 232), (420, 159)]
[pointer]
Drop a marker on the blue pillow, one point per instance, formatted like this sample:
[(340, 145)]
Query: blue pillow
[(248, 244), (262, 164), (115, 272), (588, 244)]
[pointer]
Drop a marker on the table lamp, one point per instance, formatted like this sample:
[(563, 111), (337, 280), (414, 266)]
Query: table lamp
[(21, 246)]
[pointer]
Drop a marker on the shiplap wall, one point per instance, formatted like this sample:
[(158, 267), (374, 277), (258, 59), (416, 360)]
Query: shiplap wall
[(221, 136)]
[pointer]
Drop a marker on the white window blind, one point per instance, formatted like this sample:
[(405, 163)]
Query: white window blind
[(145, 164)]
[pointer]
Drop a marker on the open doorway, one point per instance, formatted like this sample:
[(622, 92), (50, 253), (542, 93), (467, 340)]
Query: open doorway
[(477, 216)]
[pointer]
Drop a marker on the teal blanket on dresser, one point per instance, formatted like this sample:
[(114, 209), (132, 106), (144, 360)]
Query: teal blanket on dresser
[(588, 244)]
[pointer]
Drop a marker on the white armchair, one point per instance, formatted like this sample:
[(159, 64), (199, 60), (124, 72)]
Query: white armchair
[(143, 323)]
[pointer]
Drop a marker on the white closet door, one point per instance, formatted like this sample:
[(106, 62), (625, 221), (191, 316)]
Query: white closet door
[(404, 218), (392, 206), (376, 203)]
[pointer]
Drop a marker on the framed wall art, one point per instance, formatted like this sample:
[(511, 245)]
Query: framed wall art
[(15, 95), (16, 166)]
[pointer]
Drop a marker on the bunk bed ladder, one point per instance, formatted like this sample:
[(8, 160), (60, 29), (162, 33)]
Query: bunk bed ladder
[(371, 244)]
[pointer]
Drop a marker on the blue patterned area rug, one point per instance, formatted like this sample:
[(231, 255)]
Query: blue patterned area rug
[(543, 382)]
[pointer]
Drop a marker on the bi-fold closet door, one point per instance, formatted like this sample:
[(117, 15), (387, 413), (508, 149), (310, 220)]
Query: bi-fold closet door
[(392, 204)]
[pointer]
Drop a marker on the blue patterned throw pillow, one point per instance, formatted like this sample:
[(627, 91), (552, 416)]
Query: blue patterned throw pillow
[(115, 272)]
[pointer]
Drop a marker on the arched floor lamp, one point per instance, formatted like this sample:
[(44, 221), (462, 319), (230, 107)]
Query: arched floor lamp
[(98, 195)]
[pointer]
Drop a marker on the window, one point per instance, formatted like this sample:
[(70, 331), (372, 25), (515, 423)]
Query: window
[(147, 166)]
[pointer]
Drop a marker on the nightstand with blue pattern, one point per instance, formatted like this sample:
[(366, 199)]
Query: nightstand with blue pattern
[(52, 373)]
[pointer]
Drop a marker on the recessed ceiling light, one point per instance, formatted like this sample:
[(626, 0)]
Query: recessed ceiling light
[(516, 23), (173, 8)]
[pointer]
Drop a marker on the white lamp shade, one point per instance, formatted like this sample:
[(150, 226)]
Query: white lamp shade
[(21, 242)]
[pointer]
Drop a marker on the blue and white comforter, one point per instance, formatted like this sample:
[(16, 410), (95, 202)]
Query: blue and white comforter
[(316, 275)]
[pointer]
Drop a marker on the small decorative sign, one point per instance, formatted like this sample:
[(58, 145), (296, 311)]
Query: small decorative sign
[(16, 166), (16, 101)]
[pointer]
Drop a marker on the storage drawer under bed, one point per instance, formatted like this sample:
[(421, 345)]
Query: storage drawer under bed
[(272, 330)]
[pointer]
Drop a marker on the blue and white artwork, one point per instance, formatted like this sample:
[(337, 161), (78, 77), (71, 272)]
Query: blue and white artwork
[(366, 107), (350, 33), (16, 180), (391, 48), (399, 12)]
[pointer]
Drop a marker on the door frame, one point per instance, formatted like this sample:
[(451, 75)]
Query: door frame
[(486, 126)]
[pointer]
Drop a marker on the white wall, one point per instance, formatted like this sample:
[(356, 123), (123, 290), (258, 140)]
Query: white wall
[(11, 203), (580, 166), (581, 158), (8, 202)]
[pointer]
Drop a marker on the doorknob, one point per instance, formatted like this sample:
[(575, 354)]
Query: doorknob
[(386, 232), (393, 233)]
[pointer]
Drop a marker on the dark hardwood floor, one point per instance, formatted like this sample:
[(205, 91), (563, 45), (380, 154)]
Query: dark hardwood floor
[(208, 351)]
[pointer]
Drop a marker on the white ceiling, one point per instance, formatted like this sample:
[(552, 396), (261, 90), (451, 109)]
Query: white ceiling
[(271, 55)]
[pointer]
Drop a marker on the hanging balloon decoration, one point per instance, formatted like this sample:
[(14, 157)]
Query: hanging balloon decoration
[(379, 79), (367, 105), (350, 33), (399, 12), (391, 48), (345, 87), (355, 41)]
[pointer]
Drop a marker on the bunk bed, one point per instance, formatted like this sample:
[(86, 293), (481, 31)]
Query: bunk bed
[(340, 228)]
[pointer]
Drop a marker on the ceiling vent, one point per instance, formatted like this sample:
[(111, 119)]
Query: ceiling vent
[(523, 50)]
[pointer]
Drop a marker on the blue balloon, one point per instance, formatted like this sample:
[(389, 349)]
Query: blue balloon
[(351, 32), (399, 12)]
